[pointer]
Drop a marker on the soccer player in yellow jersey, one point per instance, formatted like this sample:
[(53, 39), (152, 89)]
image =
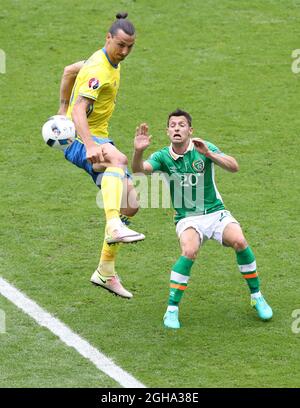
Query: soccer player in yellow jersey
[(90, 104)]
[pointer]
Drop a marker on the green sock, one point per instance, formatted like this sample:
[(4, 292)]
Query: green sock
[(247, 266), (180, 275)]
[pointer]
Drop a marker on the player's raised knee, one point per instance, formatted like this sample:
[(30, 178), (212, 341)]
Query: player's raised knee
[(190, 253), (240, 244), (119, 159), (113, 156)]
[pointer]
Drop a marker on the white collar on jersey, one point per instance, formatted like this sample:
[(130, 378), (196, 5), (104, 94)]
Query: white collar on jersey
[(176, 156)]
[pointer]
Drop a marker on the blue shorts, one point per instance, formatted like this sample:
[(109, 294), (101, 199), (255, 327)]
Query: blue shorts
[(76, 154)]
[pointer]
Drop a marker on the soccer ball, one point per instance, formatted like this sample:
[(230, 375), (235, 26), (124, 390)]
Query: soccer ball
[(58, 132)]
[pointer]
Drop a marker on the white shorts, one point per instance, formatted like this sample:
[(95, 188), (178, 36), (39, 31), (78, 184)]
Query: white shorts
[(208, 226)]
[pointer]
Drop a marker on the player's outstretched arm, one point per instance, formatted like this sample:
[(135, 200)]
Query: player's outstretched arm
[(141, 142), (226, 162), (93, 151), (66, 85)]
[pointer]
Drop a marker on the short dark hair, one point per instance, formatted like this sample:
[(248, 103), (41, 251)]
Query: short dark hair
[(122, 24), (180, 112)]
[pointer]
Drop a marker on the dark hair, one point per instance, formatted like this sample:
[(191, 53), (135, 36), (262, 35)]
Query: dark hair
[(180, 112), (122, 24)]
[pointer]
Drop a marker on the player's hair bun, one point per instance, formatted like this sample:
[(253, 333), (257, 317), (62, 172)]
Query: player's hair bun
[(121, 15), (121, 23)]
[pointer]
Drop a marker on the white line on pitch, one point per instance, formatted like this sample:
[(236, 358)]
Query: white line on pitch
[(66, 335)]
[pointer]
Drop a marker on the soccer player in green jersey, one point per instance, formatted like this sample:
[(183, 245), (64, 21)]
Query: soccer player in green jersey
[(189, 163)]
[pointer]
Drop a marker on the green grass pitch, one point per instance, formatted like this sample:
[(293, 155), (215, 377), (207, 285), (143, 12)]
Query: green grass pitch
[(229, 64)]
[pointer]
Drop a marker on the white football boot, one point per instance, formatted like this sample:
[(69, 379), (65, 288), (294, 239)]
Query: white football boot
[(112, 284), (116, 232)]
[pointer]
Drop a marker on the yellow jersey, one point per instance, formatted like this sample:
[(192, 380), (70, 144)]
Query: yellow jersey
[(99, 80)]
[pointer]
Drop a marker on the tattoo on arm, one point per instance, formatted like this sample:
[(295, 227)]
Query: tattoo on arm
[(82, 99), (79, 100), (86, 103)]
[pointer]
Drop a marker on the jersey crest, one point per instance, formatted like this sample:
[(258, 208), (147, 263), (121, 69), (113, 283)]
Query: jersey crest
[(198, 165)]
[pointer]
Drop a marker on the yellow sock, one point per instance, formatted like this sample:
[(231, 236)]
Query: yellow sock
[(109, 252), (107, 268), (107, 260), (112, 189)]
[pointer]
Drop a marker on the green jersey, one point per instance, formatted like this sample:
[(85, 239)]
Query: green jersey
[(191, 180)]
